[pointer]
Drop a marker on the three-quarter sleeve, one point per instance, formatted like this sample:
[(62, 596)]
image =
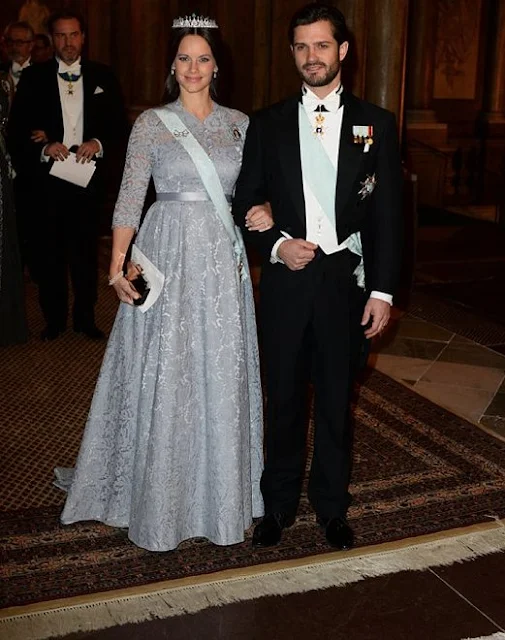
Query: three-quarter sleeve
[(137, 172)]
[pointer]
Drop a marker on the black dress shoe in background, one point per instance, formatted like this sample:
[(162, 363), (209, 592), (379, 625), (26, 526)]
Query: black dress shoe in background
[(268, 532), (90, 331), (338, 533), (51, 332)]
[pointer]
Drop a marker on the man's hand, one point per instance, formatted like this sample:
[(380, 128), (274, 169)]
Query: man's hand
[(296, 254), (56, 151), (259, 218), (86, 151), (39, 136), (379, 311)]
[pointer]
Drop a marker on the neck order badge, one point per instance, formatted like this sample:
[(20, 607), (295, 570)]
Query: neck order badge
[(70, 78)]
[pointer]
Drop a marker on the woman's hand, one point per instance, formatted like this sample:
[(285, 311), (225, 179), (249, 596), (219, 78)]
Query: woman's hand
[(125, 291), (259, 218), (132, 270), (123, 287)]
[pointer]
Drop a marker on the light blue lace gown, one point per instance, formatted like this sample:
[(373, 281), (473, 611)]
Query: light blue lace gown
[(173, 443)]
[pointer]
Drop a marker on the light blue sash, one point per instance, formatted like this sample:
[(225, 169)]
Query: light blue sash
[(317, 168), (321, 176), (210, 179)]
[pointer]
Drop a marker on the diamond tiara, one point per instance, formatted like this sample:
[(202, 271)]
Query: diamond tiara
[(194, 22)]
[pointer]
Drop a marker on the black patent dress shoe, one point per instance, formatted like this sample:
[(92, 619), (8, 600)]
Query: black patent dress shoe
[(268, 532), (90, 331), (51, 332), (338, 533)]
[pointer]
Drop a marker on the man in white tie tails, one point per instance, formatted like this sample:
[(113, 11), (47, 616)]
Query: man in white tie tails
[(19, 39), (66, 105), (329, 165)]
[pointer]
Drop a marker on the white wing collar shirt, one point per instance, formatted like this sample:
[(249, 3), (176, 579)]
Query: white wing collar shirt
[(72, 105), (17, 70), (72, 102), (320, 230)]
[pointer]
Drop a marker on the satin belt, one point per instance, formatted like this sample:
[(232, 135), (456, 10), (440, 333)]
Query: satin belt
[(186, 196)]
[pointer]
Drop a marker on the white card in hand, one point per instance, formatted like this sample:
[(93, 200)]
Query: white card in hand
[(72, 171), (152, 275)]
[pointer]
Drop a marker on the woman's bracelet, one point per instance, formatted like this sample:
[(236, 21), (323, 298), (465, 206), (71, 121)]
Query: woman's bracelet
[(115, 278)]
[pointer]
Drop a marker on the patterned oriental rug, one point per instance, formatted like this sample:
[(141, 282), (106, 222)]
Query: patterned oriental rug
[(418, 469)]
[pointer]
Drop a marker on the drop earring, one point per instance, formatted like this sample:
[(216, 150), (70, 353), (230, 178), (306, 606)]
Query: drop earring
[(172, 71), (215, 74)]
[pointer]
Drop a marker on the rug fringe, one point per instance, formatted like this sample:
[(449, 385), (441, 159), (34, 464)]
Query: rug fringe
[(496, 636), (178, 601)]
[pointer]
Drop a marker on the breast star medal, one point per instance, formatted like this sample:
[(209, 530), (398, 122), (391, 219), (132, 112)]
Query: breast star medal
[(367, 186)]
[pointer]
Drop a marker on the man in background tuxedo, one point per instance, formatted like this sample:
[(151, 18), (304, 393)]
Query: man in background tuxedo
[(19, 40), (329, 165), (66, 104)]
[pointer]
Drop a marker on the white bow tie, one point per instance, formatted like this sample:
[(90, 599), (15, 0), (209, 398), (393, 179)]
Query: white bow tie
[(74, 68), (332, 101), (17, 68)]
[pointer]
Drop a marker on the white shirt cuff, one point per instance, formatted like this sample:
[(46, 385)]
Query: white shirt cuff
[(44, 158), (100, 153), (274, 258), (387, 297)]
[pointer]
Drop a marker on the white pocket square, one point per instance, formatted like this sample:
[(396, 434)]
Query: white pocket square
[(98, 90)]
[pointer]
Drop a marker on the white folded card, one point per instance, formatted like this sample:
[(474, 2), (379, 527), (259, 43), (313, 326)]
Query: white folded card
[(72, 171), (152, 275)]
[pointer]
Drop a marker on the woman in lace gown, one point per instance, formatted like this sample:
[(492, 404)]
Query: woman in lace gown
[(173, 443)]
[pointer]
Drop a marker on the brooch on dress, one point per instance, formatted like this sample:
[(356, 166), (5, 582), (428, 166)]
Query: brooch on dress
[(367, 186), (236, 133)]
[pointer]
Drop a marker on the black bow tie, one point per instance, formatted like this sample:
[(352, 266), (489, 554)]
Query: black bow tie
[(321, 108)]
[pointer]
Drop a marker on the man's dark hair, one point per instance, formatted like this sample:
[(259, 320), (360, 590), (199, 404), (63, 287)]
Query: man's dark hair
[(65, 14), (20, 25), (315, 12), (213, 39)]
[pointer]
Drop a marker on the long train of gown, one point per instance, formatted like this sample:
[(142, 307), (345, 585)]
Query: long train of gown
[(172, 448)]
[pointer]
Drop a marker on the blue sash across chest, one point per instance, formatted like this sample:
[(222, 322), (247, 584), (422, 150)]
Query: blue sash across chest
[(211, 181)]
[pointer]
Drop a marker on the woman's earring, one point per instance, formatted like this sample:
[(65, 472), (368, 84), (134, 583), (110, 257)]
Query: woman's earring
[(172, 71), (215, 74)]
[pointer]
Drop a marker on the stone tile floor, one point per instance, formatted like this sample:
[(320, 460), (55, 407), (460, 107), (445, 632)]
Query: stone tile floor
[(454, 372)]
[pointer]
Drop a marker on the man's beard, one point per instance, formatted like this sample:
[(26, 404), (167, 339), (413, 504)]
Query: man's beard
[(313, 80), (69, 55)]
